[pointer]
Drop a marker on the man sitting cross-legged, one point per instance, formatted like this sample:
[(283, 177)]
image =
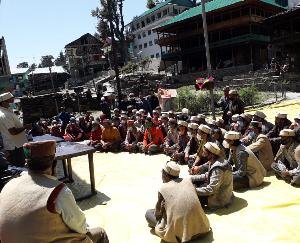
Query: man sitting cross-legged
[(261, 146), (36, 207), (248, 171), (215, 184), (111, 138), (286, 164), (178, 216)]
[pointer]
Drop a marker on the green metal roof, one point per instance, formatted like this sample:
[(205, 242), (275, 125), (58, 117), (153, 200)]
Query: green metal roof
[(210, 6), (185, 3)]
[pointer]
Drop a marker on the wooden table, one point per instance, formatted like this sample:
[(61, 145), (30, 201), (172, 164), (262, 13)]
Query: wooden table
[(47, 137), (65, 151)]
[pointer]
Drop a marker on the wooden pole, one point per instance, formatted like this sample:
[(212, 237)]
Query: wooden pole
[(208, 63)]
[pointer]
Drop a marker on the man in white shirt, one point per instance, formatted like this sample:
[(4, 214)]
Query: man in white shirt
[(12, 131), (36, 207)]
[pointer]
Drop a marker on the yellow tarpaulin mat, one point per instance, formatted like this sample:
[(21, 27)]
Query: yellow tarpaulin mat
[(127, 186)]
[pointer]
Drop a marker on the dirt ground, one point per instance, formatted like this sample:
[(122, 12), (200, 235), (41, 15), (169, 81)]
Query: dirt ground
[(127, 186)]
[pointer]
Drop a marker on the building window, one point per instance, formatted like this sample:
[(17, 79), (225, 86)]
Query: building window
[(139, 36), (137, 25), (149, 32), (153, 18), (159, 15), (152, 56), (150, 43), (165, 12), (135, 47), (175, 11), (148, 20), (143, 24), (155, 41), (157, 55), (145, 45), (144, 34), (140, 47)]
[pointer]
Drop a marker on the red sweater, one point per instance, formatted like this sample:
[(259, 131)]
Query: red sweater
[(153, 136)]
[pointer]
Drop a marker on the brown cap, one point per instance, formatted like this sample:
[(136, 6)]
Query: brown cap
[(39, 149)]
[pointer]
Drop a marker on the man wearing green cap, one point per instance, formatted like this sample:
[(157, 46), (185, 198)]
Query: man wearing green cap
[(44, 209)]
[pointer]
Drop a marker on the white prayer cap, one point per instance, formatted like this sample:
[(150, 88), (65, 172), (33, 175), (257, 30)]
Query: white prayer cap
[(281, 115), (233, 92), (6, 96), (235, 117), (260, 114), (182, 123), (185, 111), (231, 135), (205, 129), (213, 148), (193, 126), (194, 118), (172, 168), (287, 133), (201, 116)]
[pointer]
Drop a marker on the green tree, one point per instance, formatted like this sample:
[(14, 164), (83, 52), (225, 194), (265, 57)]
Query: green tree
[(150, 4), (47, 61), (111, 24), (23, 65), (33, 66), (61, 60)]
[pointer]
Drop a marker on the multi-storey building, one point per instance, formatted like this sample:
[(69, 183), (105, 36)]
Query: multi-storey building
[(85, 56), (236, 32), (4, 63), (145, 41)]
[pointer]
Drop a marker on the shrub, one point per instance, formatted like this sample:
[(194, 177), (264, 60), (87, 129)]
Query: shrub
[(249, 95), (195, 101)]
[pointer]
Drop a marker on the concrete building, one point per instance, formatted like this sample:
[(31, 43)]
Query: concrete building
[(4, 63), (144, 40)]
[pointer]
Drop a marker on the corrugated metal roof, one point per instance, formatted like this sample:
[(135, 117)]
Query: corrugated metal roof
[(18, 70), (210, 6), (186, 3), (54, 69)]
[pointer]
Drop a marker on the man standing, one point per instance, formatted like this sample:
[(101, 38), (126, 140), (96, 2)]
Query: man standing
[(285, 159), (214, 185), (235, 105), (178, 216), (44, 209), (223, 103), (12, 131), (261, 146), (248, 171)]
